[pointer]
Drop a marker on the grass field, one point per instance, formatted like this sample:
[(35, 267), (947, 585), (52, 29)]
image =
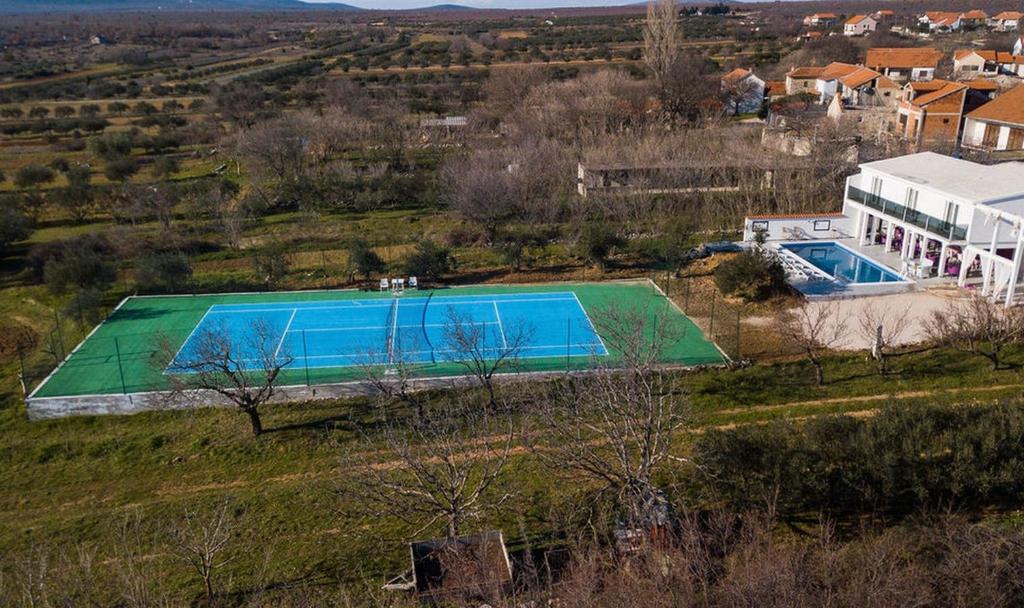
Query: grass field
[(122, 354)]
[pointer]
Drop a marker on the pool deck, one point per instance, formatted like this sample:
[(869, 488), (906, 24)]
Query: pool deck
[(821, 289)]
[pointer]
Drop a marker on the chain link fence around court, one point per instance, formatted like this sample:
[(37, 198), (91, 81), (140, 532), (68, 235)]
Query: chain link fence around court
[(700, 300), (37, 356)]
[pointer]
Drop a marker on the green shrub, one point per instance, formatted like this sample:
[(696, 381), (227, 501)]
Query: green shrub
[(429, 260), (752, 275)]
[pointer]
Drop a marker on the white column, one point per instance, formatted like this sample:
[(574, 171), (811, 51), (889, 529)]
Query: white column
[(988, 265), (943, 252), (962, 279), (1015, 276)]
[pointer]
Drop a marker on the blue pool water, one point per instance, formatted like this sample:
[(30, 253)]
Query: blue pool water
[(842, 263), (410, 329)]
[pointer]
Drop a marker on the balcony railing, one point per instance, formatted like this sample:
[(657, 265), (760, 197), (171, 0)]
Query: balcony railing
[(924, 221)]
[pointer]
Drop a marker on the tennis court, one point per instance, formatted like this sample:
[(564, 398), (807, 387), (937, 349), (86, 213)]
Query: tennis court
[(329, 335), (407, 329)]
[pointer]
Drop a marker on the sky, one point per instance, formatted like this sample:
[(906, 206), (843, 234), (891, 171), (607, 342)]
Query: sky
[(399, 4)]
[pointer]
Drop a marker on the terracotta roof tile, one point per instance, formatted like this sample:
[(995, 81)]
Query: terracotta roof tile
[(775, 87), (948, 89), (859, 77), (1008, 107), (837, 70), (982, 84), (736, 75), (1009, 15), (903, 58), (856, 19)]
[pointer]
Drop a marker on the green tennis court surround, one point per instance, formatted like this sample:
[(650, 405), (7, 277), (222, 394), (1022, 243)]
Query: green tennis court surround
[(322, 329)]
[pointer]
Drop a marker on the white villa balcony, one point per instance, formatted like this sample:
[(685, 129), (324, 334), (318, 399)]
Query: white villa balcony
[(892, 210)]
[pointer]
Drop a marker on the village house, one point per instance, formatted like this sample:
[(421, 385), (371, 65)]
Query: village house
[(884, 16), (859, 25), (998, 125), (969, 63), (940, 21), (1006, 21), (903, 64), (744, 91), (867, 88), (827, 83), (932, 118), (802, 80), (973, 19), (918, 218), (1018, 46), (775, 89), (821, 20)]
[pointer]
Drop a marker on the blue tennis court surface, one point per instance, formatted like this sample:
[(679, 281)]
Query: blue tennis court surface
[(410, 329)]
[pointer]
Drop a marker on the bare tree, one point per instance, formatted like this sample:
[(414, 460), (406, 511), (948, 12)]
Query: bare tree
[(614, 425), (978, 326), (446, 469), (883, 327), (202, 542), (661, 39), (243, 369), (812, 328), (140, 582), (392, 376), (483, 350)]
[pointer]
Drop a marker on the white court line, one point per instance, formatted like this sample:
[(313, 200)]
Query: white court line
[(553, 347), (437, 300), (188, 339), (284, 334), (394, 333), (378, 327), (501, 328), (591, 323)]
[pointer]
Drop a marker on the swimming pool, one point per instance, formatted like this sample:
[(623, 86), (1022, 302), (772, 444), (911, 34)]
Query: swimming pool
[(842, 263)]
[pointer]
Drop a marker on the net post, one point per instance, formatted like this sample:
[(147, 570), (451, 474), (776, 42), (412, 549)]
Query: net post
[(120, 369), (305, 356)]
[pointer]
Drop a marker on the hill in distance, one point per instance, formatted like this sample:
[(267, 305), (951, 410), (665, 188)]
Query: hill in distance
[(81, 6)]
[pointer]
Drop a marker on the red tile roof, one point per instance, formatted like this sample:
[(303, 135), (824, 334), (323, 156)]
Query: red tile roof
[(948, 89), (903, 58), (862, 76), (1008, 107), (736, 75), (836, 70)]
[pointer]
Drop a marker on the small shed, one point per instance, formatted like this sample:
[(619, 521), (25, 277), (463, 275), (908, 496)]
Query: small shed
[(474, 567)]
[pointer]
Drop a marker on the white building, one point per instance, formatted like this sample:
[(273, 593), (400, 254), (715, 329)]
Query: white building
[(929, 217), (859, 25)]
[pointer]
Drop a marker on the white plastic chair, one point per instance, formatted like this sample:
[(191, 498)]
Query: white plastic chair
[(383, 284), (413, 284), (401, 285)]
